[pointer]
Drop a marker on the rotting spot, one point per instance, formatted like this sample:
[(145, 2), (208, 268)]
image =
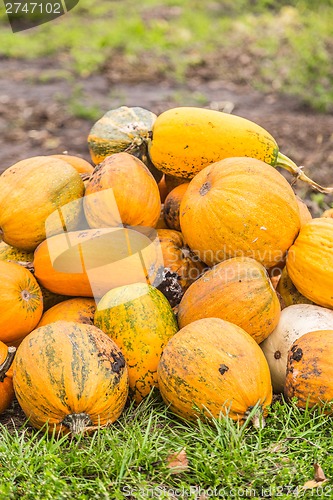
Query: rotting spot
[(297, 353), (205, 188), (223, 368)]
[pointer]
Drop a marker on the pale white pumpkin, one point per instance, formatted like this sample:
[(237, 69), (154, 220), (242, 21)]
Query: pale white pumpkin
[(295, 321)]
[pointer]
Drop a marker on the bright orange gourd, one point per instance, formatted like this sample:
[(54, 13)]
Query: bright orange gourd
[(80, 310)]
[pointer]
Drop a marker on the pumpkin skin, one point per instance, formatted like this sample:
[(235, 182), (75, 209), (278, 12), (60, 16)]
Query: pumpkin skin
[(216, 367), (21, 302), (304, 212), (328, 213), (123, 130), (10, 253), (289, 293), (178, 258), (294, 322), (80, 165), (32, 190), (86, 387), (140, 321), (310, 369), (239, 206), (79, 309), (310, 261), (6, 373), (171, 182), (237, 290), (172, 206), (89, 263), (132, 198), (162, 189)]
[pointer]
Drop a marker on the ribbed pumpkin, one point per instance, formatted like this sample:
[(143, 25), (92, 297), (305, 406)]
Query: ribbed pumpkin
[(32, 190), (187, 139), (172, 205), (70, 375), (289, 293), (239, 207), (212, 366), (123, 130), (237, 290), (140, 321), (79, 309), (10, 253), (310, 261), (89, 263), (80, 165), (310, 370), (294, 322), (304, 212), (178, 258), (6, 382), (21, 302), (122, 191)]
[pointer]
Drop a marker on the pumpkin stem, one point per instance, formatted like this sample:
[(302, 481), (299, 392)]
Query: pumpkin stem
[(286, 163), (77, 422), (4, 367)]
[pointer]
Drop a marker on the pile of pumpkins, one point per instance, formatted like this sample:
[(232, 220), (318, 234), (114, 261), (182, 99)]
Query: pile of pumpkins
[(181, 260)]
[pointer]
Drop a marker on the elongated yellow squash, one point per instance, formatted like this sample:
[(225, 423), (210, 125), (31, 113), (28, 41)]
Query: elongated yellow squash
[(187, 139)]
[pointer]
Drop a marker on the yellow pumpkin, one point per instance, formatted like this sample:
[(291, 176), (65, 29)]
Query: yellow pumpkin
[(239, 207), (122, 191), (237, 290), (304, 212), (38, 196), (310, 261), (213, 367), (80, 165)]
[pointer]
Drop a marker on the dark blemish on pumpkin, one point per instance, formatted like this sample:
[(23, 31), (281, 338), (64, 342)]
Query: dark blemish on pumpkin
[(204, 188), (223, 369), (277, 355), (186, 146), (239, 281), (118, 362), (297, 353)]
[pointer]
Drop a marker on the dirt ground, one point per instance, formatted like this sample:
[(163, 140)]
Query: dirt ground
[(36, 114)]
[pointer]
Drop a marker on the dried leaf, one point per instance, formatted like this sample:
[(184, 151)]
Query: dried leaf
[(319, 473), (309, 485), (177, 462)]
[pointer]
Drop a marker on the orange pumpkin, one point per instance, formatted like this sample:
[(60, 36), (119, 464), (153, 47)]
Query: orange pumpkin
[(162, 187), (122, 191), (71, 376), (237, 290), (89, 263), (172, 206), (80, 165), (79, 309), (310, 369), (310, 261), (213, 367), (6, 382), (21, 302), (289, 293), (239, 207), (304, 212), (328, 213)]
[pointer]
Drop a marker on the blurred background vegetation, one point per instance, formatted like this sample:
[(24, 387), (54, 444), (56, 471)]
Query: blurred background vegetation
[(284, 45)]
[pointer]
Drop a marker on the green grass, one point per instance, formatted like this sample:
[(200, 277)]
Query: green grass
[(289, 42), (129, 460)]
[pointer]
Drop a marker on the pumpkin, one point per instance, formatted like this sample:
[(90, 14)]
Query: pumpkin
[(37, 197), (89, 263), (79, 309), (310, 370), (140, 321), (310, 261), (289, 293), (294, 322), (10, 253), (239, 207), (213, 367), (187, 139), (304, 212), (171, 182), (328, 213), (6, 382), (21, 302), (172, 205), (178, 258), (80, 165), (50, 299), (237, 290), (71, 376), (123, 130), (162, 189), (122, 191)]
